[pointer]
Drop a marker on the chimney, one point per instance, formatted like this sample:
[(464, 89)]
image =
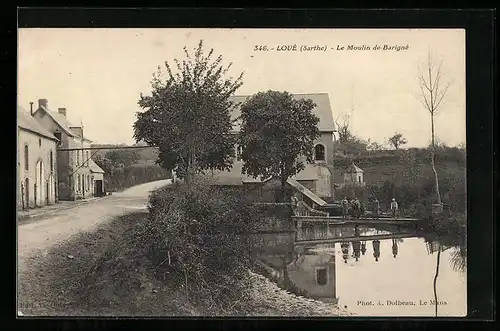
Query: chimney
[(62, 111), (31, 108), (43, 102)]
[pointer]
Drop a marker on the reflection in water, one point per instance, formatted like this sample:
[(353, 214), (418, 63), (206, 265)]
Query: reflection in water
[(356, 247), (393, 282), (394, 248), (376, 249)]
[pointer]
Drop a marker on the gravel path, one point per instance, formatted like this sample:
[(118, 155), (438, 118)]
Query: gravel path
[(42, 233)]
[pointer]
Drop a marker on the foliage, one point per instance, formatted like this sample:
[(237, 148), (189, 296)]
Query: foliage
[(374, 146), (277, 134), (199, 237), (410, 180), (121, 170), (397, 140), (188, 115)]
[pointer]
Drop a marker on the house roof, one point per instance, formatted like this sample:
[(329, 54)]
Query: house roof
[(62, 121), (27, 122), (323, 109), (94, 167), (354, 168)]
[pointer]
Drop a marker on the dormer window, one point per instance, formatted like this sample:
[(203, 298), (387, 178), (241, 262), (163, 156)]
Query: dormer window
[(319, 152)]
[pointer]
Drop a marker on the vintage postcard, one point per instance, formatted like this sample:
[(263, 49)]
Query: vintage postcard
[(241, 172)]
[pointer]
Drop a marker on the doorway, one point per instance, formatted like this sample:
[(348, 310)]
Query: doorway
[(98, 188), (40, 180), (26, 193)]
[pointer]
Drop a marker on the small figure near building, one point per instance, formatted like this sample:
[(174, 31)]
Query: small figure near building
[(394, 207), (345, 207), (376, 208), (356, 207)]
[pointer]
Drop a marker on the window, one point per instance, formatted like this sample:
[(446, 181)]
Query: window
[(322, 276), (359, 179), (26, 158), (39, 142), (77, 158), (239, 152), (87, 158), (79, 185), (319, 152), (51, 157), (59, 137)]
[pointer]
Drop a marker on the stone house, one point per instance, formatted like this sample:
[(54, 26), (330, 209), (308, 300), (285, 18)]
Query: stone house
[(97, 179), (316, 177), (73, 167), (36, 163), (354, 175)]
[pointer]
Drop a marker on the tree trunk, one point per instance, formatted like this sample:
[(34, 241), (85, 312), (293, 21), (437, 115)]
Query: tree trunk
[(283, 188), (433, 164), (435, 280)]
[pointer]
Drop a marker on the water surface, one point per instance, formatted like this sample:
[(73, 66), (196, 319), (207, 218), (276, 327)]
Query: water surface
[(369, 270)]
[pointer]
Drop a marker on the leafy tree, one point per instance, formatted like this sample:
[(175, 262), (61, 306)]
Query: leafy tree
[(397, 140), (188, 115), (276, 130)]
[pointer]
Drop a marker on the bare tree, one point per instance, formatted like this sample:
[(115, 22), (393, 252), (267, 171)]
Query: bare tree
[(433, 90), (343, 131)]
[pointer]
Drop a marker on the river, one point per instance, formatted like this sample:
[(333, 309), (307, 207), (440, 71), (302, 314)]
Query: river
[(368, 270)]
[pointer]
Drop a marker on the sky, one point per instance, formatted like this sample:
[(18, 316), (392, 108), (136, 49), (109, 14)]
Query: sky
[(99, 74)]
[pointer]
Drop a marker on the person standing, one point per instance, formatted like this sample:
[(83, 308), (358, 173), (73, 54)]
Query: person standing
[(394, 207), (376, 208), (355, 207), (345, 207)]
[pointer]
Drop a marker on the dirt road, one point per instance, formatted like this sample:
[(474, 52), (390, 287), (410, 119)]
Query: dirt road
[(41, 234)]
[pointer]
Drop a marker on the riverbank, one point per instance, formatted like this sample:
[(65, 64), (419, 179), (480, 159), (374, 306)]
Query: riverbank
[(78, 278)]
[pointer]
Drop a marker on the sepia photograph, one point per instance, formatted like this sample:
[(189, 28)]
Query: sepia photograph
[(174, 172)]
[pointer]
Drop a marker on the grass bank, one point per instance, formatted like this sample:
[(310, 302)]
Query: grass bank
[(107, 273), (98, 273)]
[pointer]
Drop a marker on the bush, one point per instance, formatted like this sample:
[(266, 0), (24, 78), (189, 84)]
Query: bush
[(200, 238)]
